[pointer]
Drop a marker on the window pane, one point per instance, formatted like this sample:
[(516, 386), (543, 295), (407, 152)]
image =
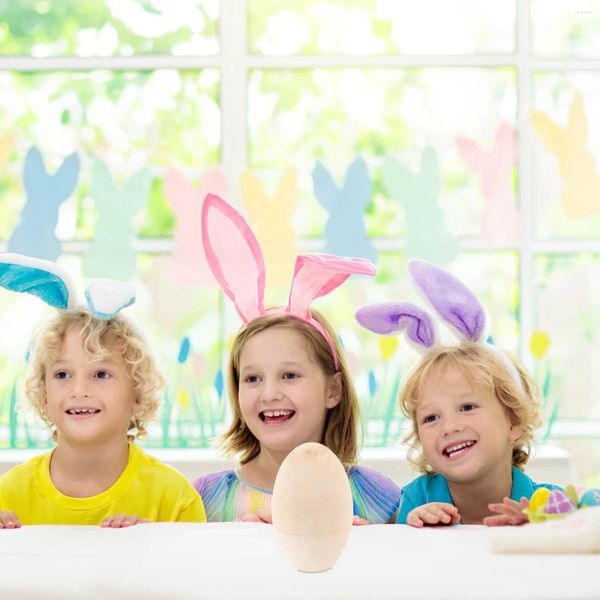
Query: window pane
[(322, 115), (45, 28), (572, 362), (566, 152), (366, 27), (566, 29), (129, 120)]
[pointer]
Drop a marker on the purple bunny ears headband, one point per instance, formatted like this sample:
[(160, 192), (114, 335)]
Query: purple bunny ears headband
[(236, 260), (455, 304)]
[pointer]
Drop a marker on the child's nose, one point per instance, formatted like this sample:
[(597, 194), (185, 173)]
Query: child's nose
[(272, 390), (453, 424), (80, 388)]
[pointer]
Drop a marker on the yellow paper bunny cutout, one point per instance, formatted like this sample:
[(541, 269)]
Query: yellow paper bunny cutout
[(272, 221), (577, 166)]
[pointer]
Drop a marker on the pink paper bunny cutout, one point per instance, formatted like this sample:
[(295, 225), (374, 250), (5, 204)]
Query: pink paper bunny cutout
[(236, 260), (500, 220), (188, 261)]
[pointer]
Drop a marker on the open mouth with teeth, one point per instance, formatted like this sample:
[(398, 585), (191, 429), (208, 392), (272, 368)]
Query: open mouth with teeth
[(276, 416), (459, 449), (82, 412)]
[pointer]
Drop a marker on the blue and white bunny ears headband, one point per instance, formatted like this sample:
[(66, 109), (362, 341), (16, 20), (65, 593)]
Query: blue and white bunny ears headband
[(52, 284), (453, 302)]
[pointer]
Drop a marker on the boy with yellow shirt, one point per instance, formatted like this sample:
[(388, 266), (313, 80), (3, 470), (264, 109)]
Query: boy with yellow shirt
[(93, 381)]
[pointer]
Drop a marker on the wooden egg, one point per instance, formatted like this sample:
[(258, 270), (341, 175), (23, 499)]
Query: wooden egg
[(312, 507)]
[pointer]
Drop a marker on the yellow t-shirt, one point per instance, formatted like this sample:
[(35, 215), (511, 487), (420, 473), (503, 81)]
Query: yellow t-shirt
[(146, 488)]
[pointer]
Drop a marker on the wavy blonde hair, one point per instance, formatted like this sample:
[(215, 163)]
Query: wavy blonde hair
[(99, 338), (483, 368), (342, 423)]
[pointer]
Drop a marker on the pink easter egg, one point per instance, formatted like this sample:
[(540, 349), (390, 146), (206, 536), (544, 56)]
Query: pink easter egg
[(558, 503)]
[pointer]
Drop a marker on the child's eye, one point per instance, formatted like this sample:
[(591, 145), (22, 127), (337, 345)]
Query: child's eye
[(430, 419), (468, 407), (251, 379), (60, 375), (102, 374), (290, 375)]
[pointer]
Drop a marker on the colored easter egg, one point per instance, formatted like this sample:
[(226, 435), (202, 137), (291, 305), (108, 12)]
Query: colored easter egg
[(558, 503), (590, 498), (312, 507), (539, 498)]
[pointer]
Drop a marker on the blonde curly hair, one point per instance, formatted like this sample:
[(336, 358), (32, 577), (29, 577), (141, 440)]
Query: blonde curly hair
[(99, 337), (485, 369), (342, 423)]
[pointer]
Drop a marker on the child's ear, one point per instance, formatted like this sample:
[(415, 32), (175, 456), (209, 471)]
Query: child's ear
[(334, 390), (514, 432)]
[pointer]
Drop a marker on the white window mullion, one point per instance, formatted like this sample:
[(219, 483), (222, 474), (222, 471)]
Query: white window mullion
[(524, 74), (111, 63), (233, 93)]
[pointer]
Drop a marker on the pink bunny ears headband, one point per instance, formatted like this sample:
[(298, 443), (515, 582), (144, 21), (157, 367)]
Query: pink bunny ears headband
[(455, 304), (236, 260)]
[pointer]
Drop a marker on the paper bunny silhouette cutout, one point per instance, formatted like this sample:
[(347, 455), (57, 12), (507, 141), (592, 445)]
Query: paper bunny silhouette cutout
[(345, 233), (580, 196), (426, 233), (188, 262), (272, 222), (7, 141), (500, 220), (51, 283), (235, 257), (34, 234), (111, 253)]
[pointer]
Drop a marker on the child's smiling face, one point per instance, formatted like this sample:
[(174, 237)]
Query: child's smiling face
[(88, 400), (464, 430), (283, 393)]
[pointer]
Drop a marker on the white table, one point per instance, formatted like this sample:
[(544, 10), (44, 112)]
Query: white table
[(242, 560)]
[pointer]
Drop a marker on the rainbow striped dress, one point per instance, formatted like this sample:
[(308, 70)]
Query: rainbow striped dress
[(227, 497)]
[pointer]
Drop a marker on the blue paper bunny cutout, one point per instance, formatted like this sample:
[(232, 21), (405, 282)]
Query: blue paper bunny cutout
[(345, 233), (34, 234)]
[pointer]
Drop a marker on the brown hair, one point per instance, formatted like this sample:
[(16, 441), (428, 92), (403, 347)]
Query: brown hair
[(485, 368), (342, 422), (99, 337)]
